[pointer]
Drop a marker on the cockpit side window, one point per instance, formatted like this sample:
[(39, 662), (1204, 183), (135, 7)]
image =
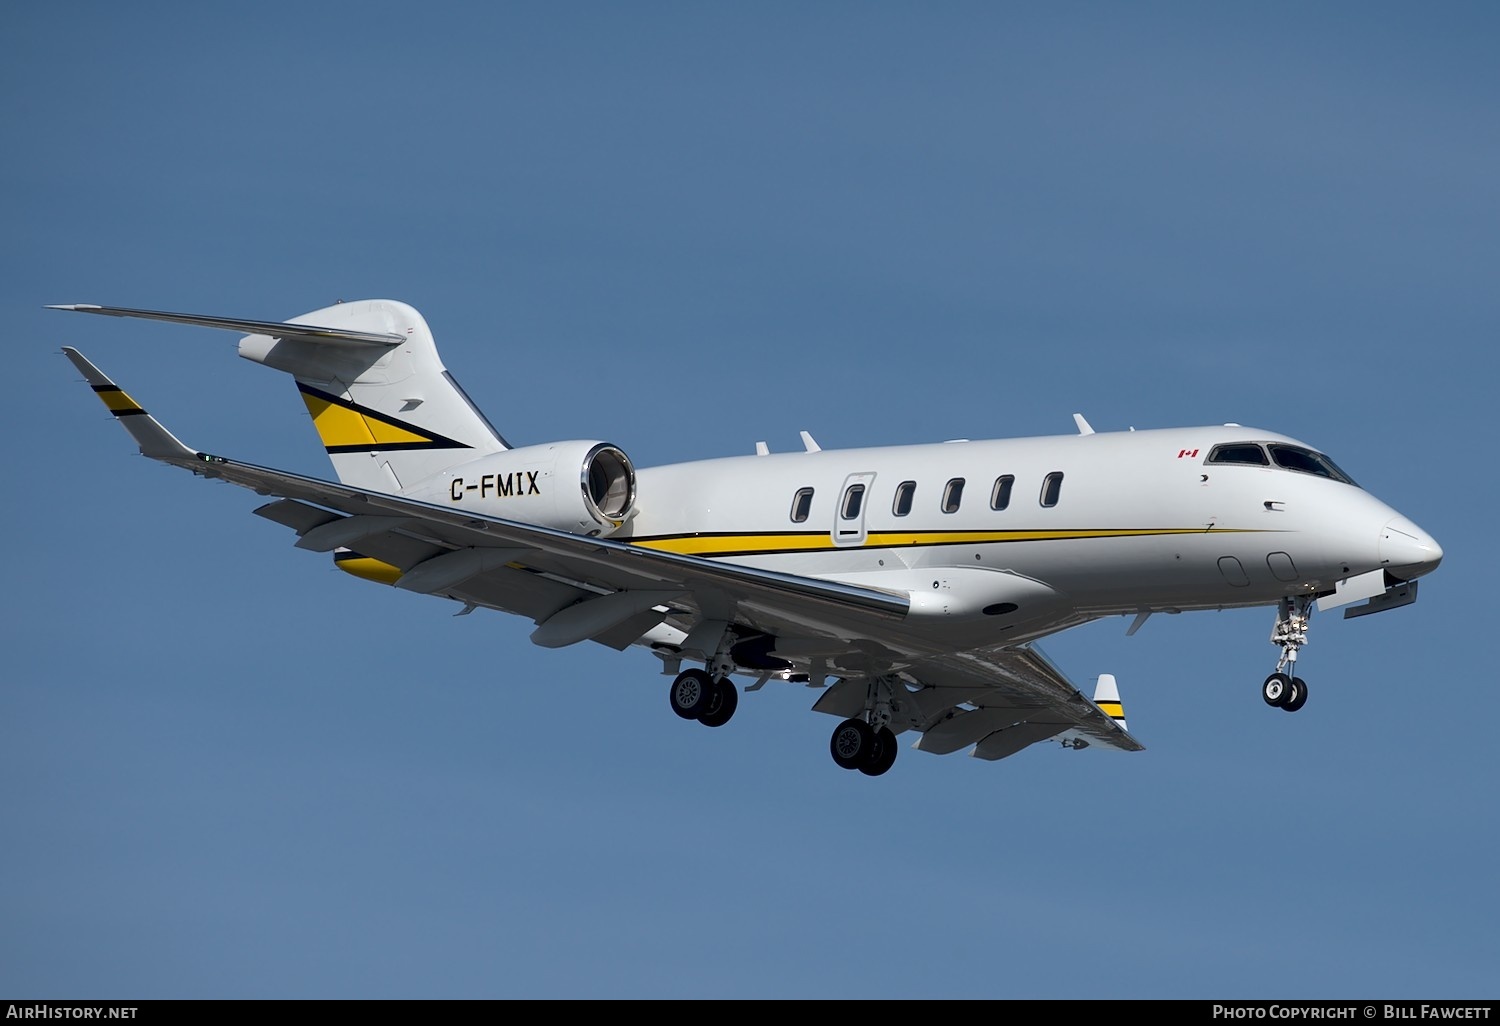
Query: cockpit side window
[(1305, 461), (1239, 452)]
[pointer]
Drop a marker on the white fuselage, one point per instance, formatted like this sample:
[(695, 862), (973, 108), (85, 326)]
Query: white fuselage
[(1139, 520)]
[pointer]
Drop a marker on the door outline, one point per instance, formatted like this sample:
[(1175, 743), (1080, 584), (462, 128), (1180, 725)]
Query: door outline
[(851, 532)]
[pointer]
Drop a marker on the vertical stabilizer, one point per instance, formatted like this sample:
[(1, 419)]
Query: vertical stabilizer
[(389, 417)]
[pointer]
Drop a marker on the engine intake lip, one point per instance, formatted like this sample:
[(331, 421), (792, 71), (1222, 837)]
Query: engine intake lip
[(607, 480)]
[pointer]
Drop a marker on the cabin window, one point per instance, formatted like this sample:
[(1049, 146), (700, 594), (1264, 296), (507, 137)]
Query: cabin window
[(801, 505), (1240, 452), (953, 494), (1051, 488), (905, 491), (854, 498), (1000, 494)]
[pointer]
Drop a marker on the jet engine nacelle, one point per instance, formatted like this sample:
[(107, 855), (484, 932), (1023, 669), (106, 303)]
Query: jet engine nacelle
[(582, 487)]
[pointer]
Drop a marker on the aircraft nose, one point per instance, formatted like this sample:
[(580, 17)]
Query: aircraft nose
[(1407, 551)]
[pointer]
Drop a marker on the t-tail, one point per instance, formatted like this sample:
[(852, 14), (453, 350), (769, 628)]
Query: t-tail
[(393, 420), (389, 414)]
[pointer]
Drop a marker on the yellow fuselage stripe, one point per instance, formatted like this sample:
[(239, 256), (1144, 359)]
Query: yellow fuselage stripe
[(765, 544), (697, 545)]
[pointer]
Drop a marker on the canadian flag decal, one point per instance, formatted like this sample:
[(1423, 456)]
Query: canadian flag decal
[(1185, 453)]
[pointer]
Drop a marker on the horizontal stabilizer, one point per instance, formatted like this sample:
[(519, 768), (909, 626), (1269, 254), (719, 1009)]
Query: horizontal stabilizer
[(275, 329)]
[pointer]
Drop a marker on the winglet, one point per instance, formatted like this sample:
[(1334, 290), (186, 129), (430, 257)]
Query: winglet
[(1107, 698), (1083, 425), (155, 441)]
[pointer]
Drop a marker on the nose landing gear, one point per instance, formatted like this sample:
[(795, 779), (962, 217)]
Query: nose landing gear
[(1283, 689), (1289, 693)]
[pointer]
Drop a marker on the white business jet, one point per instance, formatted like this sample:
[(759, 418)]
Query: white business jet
[(907, 584)]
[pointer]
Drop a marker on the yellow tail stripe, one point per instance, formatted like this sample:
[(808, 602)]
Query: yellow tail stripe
[(337, 425), (388, 434), (341, 427)]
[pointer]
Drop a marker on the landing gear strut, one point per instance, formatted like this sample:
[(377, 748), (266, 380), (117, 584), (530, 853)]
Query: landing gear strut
[(867, 743), (1283, 689)]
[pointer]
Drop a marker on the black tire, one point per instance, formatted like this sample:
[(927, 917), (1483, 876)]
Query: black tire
[(1277, 690), (851, 743), (1299, 695), (882, 753), (691, 693), (725, 700)]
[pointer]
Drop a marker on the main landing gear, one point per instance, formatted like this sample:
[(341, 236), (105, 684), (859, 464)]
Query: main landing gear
[(1282, 689), (699, 695), (867, 743), (857, 745)]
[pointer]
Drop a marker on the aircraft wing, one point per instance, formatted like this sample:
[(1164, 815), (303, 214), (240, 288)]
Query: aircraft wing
[(583, 588), (999, 700)]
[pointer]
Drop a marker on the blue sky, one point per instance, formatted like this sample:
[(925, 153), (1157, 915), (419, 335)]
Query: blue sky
[(227, 770)]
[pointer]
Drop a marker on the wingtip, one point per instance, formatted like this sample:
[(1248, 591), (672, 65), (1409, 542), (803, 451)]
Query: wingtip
[(73, 306), (83, 363)]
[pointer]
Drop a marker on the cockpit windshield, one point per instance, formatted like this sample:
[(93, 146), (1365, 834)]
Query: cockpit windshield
[(1287, 457), (1294, 457)]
